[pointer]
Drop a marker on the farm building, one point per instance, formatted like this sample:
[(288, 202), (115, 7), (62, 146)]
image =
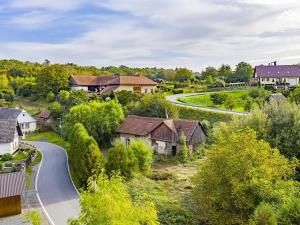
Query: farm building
[(12, 186), (108, 84), (162, 134)]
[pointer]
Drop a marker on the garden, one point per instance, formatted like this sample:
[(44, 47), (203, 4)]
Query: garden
[(237, 100)]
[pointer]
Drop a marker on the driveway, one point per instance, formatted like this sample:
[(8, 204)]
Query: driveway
[(56, 192), (173, 99)]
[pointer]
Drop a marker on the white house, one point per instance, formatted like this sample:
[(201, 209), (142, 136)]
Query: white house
[(277, 74), (10, 134), (26, 121)]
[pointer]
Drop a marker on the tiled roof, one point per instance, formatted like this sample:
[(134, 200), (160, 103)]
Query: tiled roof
[(91, 80), (8, 129), (12, 184), (45, 114), (9, 113), (131, 80), (277, 71), (140, 126), (109, 89)]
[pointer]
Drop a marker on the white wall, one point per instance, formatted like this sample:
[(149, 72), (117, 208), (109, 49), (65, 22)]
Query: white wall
[(27, 122), (293, 81), (79, 88)]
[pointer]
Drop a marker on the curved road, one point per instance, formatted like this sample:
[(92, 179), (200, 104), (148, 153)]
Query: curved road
[(173, 99), (57, 194)]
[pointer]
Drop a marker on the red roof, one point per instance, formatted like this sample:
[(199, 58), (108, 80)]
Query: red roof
[(277, 71), (91, 80), (141, 126), (131, 80)]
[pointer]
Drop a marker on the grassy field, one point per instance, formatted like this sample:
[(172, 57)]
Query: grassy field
[(31, 106), (205, 100)]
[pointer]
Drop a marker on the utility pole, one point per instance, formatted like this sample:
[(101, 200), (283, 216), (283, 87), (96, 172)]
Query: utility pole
[(60, 127)]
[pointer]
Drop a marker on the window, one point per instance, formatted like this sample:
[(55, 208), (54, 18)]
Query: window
[(146, 90), (273, 80), (27, 125), (127, 142), (262, 79), (268, 79), (151, 90), (137, 89)]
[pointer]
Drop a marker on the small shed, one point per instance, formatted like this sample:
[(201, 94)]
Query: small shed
[(277, 97), (12, 186)]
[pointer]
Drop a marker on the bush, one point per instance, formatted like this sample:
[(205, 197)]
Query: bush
[(180, 85), (218, 98), (9, 97), (50, 97), (33, 217), (264, 214), (229, 102), (177, 91), (289, 213), (6, 157)]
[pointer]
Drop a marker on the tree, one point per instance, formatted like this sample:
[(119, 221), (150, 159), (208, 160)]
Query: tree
[(52, 78), (209, 72), (143, 154), (295, 95), (4, 82), (121, 160), (77, 97), (155, 106), (56, 109), (243, 72), (289, 213), (229, 102), (101, 119), (85, 156), (264, 214), (218, 98), (107, 202), (63, 96), (184, 149), (240, 172), (183, 74), (50, 97), (225, 73)]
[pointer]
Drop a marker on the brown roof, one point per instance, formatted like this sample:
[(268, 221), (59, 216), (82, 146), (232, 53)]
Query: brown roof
[(12, 184), (45, 114), (109, 89), (91, 80), (135, 80), (140, 126)]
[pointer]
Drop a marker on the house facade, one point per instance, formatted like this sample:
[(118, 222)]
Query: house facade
[(108, 84), (26, 121), (287, 75), (10, 134), (12, 186), (162, 134)]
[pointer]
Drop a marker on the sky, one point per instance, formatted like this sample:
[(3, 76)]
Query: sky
[(151, 33)]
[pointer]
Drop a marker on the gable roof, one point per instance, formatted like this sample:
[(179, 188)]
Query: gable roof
[(91, 80), (9, 113), (109, 89), (278, 97), (141, 126), (45, 114), (8, 128), (131, 80), (12, 184), (277, 71)]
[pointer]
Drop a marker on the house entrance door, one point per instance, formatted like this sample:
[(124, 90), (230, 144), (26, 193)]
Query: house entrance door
[(174, 150)]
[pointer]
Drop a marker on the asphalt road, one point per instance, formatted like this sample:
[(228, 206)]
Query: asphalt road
[(56, 192), (173, 99)]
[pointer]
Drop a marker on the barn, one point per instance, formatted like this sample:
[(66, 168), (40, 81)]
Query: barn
[(12, 186)]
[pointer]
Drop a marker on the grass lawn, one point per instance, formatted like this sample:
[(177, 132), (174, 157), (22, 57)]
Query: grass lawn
[(31, 106), (19, 156), (205, 100)]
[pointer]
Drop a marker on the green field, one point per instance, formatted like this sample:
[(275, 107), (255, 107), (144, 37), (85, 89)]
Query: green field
[(205, 100)]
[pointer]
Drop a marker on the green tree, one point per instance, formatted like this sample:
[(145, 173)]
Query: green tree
[(229, 102), (85, 156), (77, 97), (50, 97), (218, 98), (295, 95), (52, 78), (183, 74), (289, 213), (144, 155), (63, 96), (184, 149), (243, 72), (225, 73), (121, 160), (264, 214), (56, 109), (4, 82), (239, 173), (107, 202), (155, 106), (209, 72)]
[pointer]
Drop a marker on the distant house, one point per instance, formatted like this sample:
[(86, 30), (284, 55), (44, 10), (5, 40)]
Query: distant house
[(26, 121), (277, 97), (12, 186), (277, 74), (10, 133), (44, 117), (162, 134), (108, 84)]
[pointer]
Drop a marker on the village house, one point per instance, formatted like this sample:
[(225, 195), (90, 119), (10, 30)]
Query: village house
[(162, 134), (108, 84), (10, 134), (12, 186), (274, 74), (26, 121)]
